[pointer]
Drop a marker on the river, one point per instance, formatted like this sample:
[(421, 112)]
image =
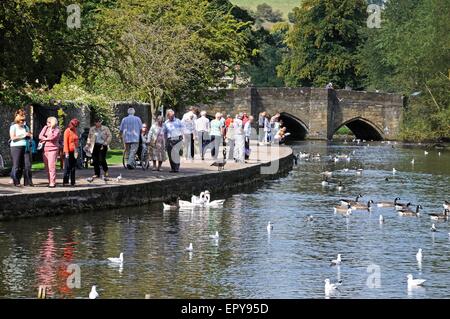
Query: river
[(292, 261)]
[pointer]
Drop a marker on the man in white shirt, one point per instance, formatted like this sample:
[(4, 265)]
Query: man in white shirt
[(188, 120), (248, 134), (239, 141), (202, 127)]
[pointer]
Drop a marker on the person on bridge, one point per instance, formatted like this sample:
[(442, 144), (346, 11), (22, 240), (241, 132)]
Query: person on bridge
[(130, 130)]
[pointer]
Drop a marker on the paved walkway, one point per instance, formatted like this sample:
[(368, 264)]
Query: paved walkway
[(259, 155)]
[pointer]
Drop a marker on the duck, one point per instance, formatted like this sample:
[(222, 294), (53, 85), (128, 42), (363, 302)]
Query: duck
[(394, 171), (361, 206), (439, 216), (345, 202), (388, 204), (343, 210), (309, 218), (409, 212)]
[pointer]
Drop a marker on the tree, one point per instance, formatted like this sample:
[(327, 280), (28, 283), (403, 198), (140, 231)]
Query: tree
[(323, 44), (265, 12)]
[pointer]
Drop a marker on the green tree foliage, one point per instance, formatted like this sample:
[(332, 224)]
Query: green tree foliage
[(323, 43), (411, 53), (265, 12)]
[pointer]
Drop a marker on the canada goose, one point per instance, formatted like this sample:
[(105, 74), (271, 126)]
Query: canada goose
[(362, 206), (400, 206), (343, 210), (409, 212), (438, 216), (345, 202), (433, 228), (388, 204)]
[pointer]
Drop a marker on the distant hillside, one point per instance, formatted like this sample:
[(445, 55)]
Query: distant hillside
[(285, 6)]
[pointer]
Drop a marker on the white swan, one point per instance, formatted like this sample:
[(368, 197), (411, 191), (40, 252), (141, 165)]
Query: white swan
[(93, 294), (215, 203), (116, 260), (201, 201)]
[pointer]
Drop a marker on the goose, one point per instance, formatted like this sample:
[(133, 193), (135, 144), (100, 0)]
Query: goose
[(215, 236), (388, 204), (419, 255), (400, 206), (409, 212), (381, 219), (116, 260), (345, 202), (414, 282), (269, 226), (433, 228), (361, 206), (343, 210), (190, 247), (446, 204), (172, 206), (330, 288), (336, 261), (437, 216), (93, 294)]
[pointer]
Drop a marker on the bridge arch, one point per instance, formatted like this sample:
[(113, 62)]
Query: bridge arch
[(363, 129), (294, 125)]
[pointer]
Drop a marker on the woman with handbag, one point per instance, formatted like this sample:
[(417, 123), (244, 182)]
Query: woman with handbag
[(49, 142)]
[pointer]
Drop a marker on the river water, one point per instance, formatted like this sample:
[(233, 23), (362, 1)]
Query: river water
[(292, 261)]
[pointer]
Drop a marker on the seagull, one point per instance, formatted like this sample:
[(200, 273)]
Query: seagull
[(269, 227), (329, 287), (119, 178), (381, 219), (412, 161), (336, 261), (419, 255), (414, 282), (190, 248), (425, 152), (93, 294), (116, 260), (433, 228), (394, 171), (214, 236)]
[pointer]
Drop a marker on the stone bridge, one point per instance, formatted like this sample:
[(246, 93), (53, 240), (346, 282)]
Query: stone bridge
[(318, 113)]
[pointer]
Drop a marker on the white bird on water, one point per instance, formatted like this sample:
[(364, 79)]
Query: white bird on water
[(412, 161), (93, 294), (214, 236), (336, 261), (419, 255), (381, 219), (329, 287), (414, 282), (269, 227), (116, 260), (190, 248), (394, 171), (433, 228)]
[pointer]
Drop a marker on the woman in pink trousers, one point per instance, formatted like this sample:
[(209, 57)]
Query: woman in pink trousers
[(49, 137)]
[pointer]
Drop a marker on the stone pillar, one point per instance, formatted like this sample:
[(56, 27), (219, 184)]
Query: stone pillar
[(318, 114)]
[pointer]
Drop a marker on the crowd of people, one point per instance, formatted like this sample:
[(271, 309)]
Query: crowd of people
[(193, 134)]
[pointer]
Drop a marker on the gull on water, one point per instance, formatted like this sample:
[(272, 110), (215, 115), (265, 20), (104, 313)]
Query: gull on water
[(116, 260), (414, 282), (331, 287), (93, 294), (336, 261), (269, 226), (433, 228)]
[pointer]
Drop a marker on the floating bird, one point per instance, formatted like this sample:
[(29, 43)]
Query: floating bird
[(381, 219), (394, 171), (269, 227), (419, 255), (414, 282), (214, 236), (340, 186), (441, 216), (400, 206), (190, 248), (327, 173), (412, 161), (309, 218), (343, 210), (446, 204), (439, 153), (119, 178), (345, 202), (93, 294), (433, 228), (172, 205), (362, 206), (325, 182), (336, 261), (386, 179), (359, 171), (409, 212), (116, 260), (330, 288), (425, 152), (345, 169)]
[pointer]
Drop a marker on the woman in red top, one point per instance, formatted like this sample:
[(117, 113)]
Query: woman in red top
[(70, 152)]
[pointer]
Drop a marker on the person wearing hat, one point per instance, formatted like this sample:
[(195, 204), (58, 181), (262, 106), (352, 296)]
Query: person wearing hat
[(97, 145)]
